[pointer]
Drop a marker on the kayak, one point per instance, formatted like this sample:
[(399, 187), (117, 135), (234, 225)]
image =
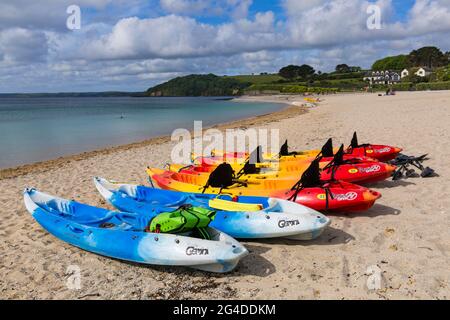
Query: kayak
[(380, 152), (364, 152), (359, 173), (245, 217), (354, 171), (122, 235), (284, 160), (312, 100), (316, 194)]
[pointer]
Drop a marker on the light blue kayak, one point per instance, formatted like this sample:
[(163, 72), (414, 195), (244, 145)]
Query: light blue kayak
[(277, 218), (121, 235)]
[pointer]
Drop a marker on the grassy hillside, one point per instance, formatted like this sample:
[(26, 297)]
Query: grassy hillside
[(199, 85), (443, 74), (212, 85), (257, 79)]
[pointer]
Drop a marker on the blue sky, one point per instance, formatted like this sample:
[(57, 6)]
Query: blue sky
[(134, 44)]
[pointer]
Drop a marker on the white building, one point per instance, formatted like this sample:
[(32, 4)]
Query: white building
[(423, 72), (405, 73), (382, 77), (420, 72)]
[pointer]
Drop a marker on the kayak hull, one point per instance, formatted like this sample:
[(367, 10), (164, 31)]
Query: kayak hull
[(277, 218), (381, 153), (347, 196), (360, 173), (80, 226)]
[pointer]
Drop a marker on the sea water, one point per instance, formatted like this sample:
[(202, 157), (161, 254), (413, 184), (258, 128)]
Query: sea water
[(35, 128)]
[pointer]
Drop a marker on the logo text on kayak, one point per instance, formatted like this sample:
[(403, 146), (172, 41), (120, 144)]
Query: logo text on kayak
[(374, 168), (193, 251), (349, 196), (383, 150), (287, 223)]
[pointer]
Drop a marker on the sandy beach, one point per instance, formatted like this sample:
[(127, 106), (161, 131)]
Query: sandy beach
[(405, 235)]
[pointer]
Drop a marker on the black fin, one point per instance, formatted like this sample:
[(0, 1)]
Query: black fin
[(311, 176), (354, 143), (339, 156), (327, 149), (284, 150), (256, 156)]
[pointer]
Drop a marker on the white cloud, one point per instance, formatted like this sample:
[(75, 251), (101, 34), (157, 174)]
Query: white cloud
[(240, 8), (22, 45), (294, 7), (184, 7), (237, 9), (37, 52), (429, 16), (175, 36), (43, 14)]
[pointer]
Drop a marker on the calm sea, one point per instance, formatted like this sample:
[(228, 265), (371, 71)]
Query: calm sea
[(36, 129)]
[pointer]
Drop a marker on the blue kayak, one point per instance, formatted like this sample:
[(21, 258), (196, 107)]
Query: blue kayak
[(121, 235), (274, 218)]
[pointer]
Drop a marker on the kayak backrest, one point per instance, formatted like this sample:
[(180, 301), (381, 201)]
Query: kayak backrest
[(256, 156), (250, 165), (339, 156), (327, 149), (284, 150), (221, 177), (128, 190), (311, 176), (354, 142)]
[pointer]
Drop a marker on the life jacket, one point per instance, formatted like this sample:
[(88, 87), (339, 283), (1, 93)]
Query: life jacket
[(185, 219)]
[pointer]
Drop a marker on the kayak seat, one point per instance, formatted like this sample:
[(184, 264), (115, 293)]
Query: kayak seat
[(274, 206), (154, 198), (134, 222), (62, 208)]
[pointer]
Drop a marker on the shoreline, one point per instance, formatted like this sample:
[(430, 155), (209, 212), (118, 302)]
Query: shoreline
[(47, 165)]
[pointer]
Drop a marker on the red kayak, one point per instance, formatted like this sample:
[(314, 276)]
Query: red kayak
[(354, 170), (376, 151), (311, 191), (330, 195), (333, 197), (364, 153), (360, 173)]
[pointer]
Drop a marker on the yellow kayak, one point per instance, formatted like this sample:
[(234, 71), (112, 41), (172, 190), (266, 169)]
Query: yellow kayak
[(286, 173), (220, 156), (312, 100), (257, 185), (264, 170), (365, 152), (241, 157), (330, 196)]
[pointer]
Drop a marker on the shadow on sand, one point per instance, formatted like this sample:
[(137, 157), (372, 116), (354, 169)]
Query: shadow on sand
[(255, 264), (376, 211), (331, 236), (387, 184)]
